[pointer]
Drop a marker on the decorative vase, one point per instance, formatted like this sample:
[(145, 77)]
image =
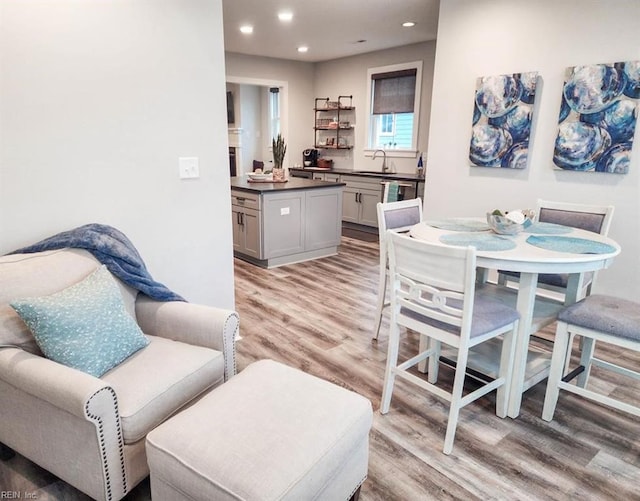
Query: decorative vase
[(278, 174)]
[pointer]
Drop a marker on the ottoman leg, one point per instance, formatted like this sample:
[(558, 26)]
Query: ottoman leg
[(356, 495)]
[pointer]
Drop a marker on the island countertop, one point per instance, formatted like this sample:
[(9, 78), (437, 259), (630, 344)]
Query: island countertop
[(292, 184)]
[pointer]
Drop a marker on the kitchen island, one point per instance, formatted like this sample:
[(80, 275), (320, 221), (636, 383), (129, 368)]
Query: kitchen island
[(282, 223)]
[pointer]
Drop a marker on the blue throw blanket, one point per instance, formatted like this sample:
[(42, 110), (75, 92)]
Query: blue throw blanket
[(113, 249)]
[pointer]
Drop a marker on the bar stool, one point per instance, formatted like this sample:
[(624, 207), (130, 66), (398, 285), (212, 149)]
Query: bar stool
[(598, 317)]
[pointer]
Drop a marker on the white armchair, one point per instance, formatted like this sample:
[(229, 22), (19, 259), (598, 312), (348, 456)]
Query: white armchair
[(90, 431)]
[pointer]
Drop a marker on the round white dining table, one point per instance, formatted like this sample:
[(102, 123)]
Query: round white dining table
[(529, 260)]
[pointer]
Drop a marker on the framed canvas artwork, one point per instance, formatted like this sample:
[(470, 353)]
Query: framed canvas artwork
[(598, 116), (502, 117)]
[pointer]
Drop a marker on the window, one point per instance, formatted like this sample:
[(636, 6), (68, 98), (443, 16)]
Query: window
[(274, 112), (394, 97), (386, 125)]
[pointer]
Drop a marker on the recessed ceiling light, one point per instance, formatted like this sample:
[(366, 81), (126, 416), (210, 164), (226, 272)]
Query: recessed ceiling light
[(247, 29), (408, 24), (285, 15), (303, 48)]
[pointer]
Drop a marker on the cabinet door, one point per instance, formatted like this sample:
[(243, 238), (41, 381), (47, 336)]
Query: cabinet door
[(238, 230), (334, 178), (350, 205), (323, 225), (252, 233), (319, 176), (283, 223), (368, 207)]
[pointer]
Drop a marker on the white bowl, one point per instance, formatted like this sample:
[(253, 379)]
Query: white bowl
[(503, 225), (307, 163)]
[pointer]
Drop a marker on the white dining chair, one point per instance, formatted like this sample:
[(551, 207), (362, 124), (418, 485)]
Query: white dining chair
[(433, 292), (595, 218), (597, 318), (396, 216)]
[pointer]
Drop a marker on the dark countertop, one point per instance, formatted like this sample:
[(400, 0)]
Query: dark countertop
[(295, 183), (396, 177)]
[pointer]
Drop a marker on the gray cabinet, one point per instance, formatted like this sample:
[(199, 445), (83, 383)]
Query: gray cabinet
[(323, 219), (245, 213), (326, 176), (281, 227), (283, 220), (361, 196)]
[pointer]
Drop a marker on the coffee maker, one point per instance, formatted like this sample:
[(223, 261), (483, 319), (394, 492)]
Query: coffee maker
[(310, 158)]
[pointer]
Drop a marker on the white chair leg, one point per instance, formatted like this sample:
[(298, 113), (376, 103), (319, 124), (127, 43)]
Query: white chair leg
[(424, 344), (586, 356), (456, 397), (434, 361), (382, 291), (502, 279), (505, 371), (561, 351), (392, 363)]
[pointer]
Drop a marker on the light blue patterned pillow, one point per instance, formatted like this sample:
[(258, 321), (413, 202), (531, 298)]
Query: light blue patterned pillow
[(84, 326)]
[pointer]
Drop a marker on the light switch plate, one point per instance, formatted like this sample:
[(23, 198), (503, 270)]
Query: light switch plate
[(189, 168)]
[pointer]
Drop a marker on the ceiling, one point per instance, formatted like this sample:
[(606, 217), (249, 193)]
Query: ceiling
[(330, 28)]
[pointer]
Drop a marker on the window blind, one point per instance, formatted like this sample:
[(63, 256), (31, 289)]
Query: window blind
[(394, 91)]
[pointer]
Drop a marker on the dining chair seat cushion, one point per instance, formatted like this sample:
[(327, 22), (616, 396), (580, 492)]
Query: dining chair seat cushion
[(488, 314), (607, 314)]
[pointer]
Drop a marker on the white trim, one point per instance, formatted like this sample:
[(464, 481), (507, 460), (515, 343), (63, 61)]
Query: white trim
[(368, 152)]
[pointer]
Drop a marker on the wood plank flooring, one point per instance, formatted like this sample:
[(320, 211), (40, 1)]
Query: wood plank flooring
[(318, 315)]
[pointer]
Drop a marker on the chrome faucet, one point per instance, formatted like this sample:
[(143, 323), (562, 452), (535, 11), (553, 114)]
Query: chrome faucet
[(384, 159)]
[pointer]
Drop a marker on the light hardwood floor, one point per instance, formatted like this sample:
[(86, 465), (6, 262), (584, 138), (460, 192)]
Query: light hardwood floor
[(318, 315)]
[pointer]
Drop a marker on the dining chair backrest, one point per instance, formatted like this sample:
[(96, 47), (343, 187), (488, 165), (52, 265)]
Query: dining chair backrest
[(595, 218), (396, 216), (431, 282)]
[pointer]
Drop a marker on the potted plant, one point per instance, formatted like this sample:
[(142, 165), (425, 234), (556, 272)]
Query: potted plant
[(279, 148)]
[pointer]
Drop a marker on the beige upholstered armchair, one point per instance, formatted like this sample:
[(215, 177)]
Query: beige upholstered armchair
[(90, 431)]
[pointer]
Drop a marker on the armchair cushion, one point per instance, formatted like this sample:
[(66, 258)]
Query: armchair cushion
[(84, 326), (169, 373), (39, 274)]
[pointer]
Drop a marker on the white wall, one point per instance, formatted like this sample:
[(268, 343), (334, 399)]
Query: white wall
[(299, 76), (495, 37), (348, 76), (98, 100)]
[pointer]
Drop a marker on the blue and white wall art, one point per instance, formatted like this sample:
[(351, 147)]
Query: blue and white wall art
[(598, 117), (502, 117)]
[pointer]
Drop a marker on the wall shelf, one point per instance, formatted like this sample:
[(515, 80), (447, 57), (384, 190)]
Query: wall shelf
[(333, 126)]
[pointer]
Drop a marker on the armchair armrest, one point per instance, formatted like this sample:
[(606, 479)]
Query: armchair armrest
[(195, 324), (57, 384), (86, 405)]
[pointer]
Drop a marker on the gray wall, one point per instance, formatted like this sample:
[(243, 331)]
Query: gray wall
[(495, 37), (98, 100), (348, 76)]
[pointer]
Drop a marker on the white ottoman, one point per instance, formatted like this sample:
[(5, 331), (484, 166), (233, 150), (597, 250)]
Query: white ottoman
[(271, 432)]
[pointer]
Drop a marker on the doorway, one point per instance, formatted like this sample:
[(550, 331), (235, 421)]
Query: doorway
[(250, 134)]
